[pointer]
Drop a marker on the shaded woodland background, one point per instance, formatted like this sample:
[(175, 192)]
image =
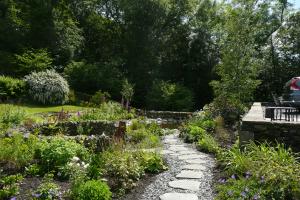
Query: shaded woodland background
[(178, 54)]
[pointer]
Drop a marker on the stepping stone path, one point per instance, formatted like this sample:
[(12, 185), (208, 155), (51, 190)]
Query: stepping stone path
[(195, 167), (189, 176), (185, 184), (192, 156)]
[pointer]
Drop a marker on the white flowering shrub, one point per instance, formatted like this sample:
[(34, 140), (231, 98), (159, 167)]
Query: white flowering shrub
[(47, 87)]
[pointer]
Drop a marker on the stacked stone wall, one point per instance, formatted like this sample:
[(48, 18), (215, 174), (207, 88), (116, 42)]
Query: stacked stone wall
[(165, 114), (287, 133), (256, 127)]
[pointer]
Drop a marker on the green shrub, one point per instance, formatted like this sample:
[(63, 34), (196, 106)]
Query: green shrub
[(169, 96), (235, 161), (9, 185), (152, 162), (208, 143), (33, 170), (94, 171), (137, 131), (11, 88), (11, 115), (99, 97), (136, 124), (203, 119), (94, 190), (106, 111), (275, 167), (150, 141), (192, 133), (47, 190), (146, 135), (34, 60), (80, 173), (89, 78), (137, 136), (58, 152), (17, 151), (47, 87), (123, 170), (200, 124), (155, 129), (208, 125), (230, 109)]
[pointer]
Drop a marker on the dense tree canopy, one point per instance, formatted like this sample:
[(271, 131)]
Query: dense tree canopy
[(239, 49)]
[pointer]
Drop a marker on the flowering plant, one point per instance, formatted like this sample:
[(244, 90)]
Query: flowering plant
[(48, 190), (47, 87)]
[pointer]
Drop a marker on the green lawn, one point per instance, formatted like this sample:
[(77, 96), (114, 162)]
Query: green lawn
[(33, 109)]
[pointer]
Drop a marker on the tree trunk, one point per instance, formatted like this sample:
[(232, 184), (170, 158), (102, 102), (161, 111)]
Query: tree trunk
[(122, 101), (127, 104)]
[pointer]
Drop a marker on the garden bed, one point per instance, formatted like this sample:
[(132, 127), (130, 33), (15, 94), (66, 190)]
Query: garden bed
[(67, 158)]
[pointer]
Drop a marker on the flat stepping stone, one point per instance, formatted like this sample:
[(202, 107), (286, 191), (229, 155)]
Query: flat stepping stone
[(177, 145), (195, 167), (196, 161), (190, 174), (174, 154), (189, 157), (168, 137), (188, 152), (171, 142), (185, 185), (178, 148), (171, 139), (178, 196), (167, 152)]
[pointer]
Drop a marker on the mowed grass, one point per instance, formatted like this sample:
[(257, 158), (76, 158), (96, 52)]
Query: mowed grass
[(35, 109)]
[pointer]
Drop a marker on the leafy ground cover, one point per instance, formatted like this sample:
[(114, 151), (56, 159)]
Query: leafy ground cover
[(259, 171)]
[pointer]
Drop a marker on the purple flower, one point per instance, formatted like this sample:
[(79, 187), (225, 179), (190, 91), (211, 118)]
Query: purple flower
[(256, 197), (222, 180), (36, 195), (78, 114), (233, 176), (262, 179), (243, 194), (247, 175), (13, 198)]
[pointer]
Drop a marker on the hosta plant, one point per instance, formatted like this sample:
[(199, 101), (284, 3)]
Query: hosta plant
[(47, 87)]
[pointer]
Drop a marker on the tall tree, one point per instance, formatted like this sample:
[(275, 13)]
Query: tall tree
[(239, 64)]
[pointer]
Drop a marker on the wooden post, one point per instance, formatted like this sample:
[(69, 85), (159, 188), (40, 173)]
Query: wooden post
[(121, 131)]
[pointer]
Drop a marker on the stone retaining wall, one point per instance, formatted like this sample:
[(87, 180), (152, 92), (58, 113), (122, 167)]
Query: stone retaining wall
[(256, 127), (93, 127), (165, 114)]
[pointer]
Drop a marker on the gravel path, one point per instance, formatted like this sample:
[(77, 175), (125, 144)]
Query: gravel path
[(188, 168)]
